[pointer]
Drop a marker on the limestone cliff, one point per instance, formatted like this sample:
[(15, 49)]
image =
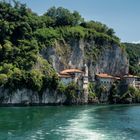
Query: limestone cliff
[(26, 97), (107, 58)]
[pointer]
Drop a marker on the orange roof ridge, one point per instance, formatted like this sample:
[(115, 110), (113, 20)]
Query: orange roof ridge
[(104, 75), (66, 71)]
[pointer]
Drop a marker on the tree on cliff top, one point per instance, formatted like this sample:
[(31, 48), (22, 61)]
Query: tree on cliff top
[(63, 17)]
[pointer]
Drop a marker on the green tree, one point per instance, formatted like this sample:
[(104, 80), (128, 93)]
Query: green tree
[(63, 17), (72, 92), (114, 94), (3, 79), (35, 80), (133, 51)]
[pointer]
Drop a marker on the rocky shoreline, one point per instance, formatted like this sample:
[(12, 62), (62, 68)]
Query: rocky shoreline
[(27, 97)]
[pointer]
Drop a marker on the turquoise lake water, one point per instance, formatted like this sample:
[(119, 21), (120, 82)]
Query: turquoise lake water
[(109, 122)]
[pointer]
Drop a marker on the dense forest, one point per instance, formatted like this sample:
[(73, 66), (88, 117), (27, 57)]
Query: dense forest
[(23, 34), (133, 51)]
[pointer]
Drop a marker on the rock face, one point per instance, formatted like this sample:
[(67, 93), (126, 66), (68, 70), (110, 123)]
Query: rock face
[(113, 60), (52, 98), (26, 96), (106, 58)]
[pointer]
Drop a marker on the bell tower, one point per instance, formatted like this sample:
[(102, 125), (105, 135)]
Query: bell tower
[(85, 84)]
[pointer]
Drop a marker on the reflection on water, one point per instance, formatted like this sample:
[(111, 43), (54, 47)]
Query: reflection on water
[(78, 129), (70, 123)]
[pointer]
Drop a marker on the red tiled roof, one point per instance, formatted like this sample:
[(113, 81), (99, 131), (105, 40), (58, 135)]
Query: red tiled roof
[(66, 71), (104, 75)]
